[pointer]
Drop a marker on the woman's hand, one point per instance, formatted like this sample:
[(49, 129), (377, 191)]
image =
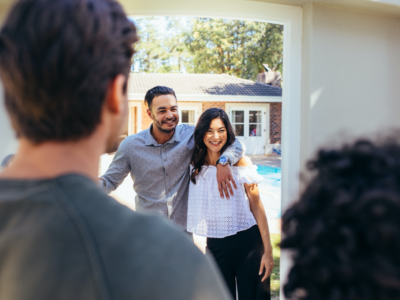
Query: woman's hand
[(267, 262), (225, 178)]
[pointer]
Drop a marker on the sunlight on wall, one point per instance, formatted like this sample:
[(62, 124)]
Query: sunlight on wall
[(315, 96)]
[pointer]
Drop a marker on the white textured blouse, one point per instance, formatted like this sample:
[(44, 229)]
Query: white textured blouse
[(211, 216)]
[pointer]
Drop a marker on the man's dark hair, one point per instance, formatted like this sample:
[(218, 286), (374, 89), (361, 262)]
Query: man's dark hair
[(344, 232), (157, 91), (57, 59)]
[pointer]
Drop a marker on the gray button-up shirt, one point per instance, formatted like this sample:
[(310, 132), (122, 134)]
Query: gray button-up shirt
[(160, 172)]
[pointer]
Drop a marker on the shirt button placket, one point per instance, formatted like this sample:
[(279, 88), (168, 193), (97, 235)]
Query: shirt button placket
[(169, 207), (169, 204)]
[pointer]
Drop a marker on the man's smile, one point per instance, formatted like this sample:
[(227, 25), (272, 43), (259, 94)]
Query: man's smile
[(171, 122)]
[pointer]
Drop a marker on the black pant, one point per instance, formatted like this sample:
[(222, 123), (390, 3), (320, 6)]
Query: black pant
[(239, 256)]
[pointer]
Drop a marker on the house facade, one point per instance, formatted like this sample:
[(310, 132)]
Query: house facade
[(254, 108)]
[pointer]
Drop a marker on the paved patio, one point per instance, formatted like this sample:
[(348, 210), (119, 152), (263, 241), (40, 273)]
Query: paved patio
[(271, 161), (267, 160)]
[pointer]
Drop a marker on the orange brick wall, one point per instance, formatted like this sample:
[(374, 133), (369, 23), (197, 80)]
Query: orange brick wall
[(275, 122), (207, 105), (146, 121)]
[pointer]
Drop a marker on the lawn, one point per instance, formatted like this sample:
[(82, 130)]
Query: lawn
[(275, 284)]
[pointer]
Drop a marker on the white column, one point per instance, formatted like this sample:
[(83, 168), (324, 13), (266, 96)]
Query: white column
[(8, 142)]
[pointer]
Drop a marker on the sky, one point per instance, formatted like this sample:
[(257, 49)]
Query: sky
[(161, 25), (161, 22)]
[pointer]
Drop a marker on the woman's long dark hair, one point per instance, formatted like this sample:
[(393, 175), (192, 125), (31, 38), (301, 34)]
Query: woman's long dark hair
[(200, 149)]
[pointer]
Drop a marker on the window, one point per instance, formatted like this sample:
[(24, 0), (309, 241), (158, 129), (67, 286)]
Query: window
[(255, 123), (189, 112), (238, 122), (188, 117)]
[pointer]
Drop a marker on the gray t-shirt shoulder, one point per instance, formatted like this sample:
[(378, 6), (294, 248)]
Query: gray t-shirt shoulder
[(65, 239)]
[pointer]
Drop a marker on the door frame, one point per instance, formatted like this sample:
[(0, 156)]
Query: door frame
[(292, 19), (229, 106), (138, 105)]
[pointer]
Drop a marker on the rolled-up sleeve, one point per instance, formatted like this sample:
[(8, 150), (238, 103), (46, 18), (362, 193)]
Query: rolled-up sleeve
[(235, 151), (118, 170)]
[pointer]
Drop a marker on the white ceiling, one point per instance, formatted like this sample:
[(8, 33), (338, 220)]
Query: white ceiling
[(391, 7)]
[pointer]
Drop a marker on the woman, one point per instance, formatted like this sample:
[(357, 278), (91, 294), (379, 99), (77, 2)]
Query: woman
[(236, 228)]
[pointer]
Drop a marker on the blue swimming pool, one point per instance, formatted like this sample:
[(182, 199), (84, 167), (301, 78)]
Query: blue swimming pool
[(265, 170), (272, 176), (270, 190)]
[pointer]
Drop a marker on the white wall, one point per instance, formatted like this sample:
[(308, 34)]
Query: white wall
[(8, 142), (350, 75)]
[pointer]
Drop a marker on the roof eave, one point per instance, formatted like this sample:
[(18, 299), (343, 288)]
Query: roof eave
[(214, 98)]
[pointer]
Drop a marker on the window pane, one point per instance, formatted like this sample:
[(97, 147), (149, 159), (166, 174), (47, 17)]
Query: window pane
[(255, 116), (254, 130), (237, 116), (187, 117), (239, 129)]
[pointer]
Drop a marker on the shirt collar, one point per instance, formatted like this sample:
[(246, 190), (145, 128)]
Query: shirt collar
[(151, 141)]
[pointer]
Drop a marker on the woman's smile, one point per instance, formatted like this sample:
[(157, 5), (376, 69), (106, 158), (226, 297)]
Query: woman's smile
[(215, 143)]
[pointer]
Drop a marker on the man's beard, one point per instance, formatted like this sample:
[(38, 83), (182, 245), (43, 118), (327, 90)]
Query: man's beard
[(158, 124)]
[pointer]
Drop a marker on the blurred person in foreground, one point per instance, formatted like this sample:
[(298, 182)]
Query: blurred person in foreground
[(64, 66), (344, 232)]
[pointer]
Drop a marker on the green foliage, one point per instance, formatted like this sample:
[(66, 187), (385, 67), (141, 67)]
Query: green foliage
[(206, 45), (275, 275), (176, 47), (149, 51), (235, 47), (158, 52)]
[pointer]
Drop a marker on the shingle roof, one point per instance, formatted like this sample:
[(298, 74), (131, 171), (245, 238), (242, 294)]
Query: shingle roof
[(198, 84)]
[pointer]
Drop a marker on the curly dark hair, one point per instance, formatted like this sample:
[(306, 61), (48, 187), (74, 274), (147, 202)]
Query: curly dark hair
[(344, 232)]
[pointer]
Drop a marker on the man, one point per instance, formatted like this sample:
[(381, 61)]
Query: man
[(158, 159), (344, 232), (64, 65)]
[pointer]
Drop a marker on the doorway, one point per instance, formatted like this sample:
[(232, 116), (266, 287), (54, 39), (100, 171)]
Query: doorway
[(251, 125), (291, 18)]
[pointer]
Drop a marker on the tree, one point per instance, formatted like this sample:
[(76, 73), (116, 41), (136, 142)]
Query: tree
[(179, 59), (207, 45), (149, 50), (234, 47), (161, 50), (266, 49)]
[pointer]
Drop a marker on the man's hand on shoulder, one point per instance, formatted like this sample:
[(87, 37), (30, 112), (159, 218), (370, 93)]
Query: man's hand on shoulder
[(225, 180)]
